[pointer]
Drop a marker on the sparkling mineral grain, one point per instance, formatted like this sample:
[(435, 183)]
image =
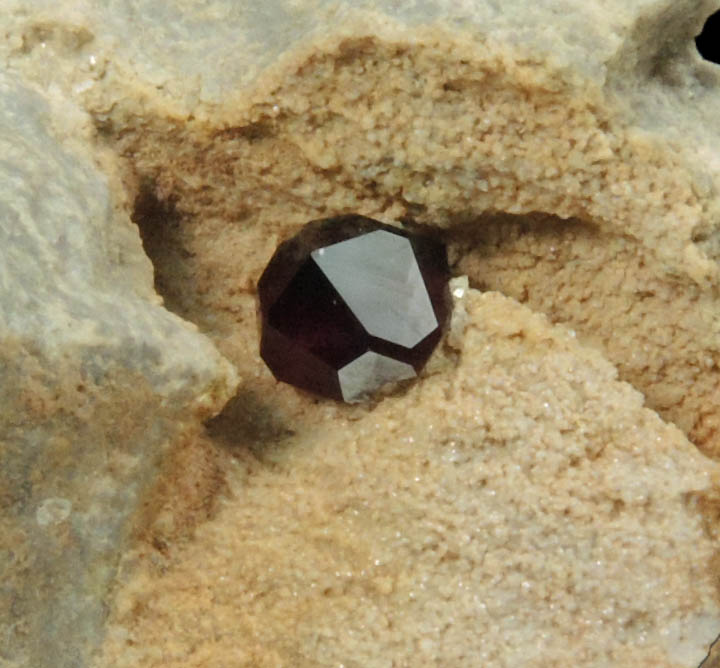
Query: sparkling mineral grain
[(350, 304)]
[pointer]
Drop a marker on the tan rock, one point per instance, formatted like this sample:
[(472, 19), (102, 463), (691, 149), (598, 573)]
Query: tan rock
[(537, 514), (521, 504)]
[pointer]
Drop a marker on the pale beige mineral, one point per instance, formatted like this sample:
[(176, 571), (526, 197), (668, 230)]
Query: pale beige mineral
[(518, 505)]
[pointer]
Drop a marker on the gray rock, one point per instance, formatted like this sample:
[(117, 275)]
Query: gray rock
[(95, 378)]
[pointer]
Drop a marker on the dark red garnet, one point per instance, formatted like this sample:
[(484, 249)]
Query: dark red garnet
[(350, 304)]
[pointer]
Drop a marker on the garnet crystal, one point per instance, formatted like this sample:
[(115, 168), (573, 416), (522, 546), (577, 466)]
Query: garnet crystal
[(350, 304)]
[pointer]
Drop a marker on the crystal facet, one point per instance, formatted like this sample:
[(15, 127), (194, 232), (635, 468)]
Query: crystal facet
[(368, 372), (350, 304), (377, 276)]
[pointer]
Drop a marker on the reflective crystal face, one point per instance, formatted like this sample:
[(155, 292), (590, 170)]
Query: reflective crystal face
[(377, 276), (367, 373), (350, 304)]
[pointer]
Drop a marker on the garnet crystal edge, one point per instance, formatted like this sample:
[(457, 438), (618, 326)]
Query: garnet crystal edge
[(350, 304)]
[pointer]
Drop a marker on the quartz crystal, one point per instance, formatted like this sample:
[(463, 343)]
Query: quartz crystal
[(350, 304)]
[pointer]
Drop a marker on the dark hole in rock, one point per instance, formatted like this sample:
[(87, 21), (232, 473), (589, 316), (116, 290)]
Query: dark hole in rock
[(252, 132), (708, 41), (161, 232)]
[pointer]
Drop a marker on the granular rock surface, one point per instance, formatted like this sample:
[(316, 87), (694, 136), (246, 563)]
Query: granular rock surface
[(501, 527), (544, 495)]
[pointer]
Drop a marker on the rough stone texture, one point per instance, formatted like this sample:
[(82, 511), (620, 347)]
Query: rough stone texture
[(500, 528), (570, 153), (94, 378), (713, 658), (443, 124)]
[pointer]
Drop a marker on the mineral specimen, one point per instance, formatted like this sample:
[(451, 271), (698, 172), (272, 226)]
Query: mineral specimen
[(350, 304)]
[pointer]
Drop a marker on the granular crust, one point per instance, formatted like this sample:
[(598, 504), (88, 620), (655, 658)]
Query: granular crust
[(427, 133), (530, 515), (517, 505)]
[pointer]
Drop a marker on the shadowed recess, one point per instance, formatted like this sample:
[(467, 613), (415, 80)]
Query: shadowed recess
[(161, 231), (708, 41), (248, 422)]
